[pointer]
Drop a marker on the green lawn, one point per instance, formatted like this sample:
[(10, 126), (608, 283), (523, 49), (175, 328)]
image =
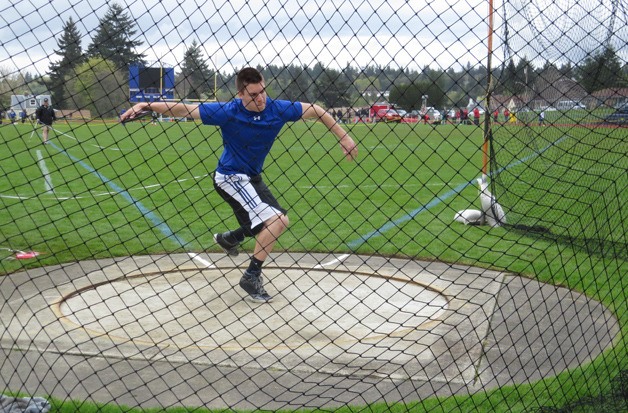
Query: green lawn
[(106, 177), (117, 190)]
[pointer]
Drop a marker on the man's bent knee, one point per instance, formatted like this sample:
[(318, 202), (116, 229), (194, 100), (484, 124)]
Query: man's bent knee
[(284, 220), (277, 224)]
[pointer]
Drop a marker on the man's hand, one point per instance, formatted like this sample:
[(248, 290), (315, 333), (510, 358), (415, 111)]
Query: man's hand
[(349, 148), (136, 112)]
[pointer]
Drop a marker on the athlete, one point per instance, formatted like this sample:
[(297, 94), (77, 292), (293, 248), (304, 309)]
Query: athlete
[(249, 124)]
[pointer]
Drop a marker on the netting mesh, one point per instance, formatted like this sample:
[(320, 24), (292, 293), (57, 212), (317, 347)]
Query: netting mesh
[(576, 169), (472, 257)]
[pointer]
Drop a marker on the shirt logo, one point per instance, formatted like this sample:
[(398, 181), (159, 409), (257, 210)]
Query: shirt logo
[(257, 117)]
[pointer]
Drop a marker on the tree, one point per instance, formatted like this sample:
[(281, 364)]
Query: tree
[(517, 79), (8, 85), (69, 48), (409, 96), (367, 89), (601, 70), (196, 77), (113, 40), (511, 82), (99, 87), (332, 88), (296, 84)]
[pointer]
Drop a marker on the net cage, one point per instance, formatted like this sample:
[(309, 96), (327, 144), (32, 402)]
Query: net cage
[(321, 206)]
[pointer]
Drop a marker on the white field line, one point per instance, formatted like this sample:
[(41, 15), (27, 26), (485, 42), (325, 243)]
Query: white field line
[(33, 133), (91, 144), (107, 193), (405, 185), (157, 185), (332, 262), (200, 260), (44, 170)]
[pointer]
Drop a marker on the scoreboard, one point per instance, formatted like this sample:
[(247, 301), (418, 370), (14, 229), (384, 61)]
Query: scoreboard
[(151, 84)]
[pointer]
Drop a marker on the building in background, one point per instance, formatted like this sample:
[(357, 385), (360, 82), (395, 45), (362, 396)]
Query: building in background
[(30, 103)]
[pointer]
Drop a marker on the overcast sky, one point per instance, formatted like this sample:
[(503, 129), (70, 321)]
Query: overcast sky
[(398, 33)]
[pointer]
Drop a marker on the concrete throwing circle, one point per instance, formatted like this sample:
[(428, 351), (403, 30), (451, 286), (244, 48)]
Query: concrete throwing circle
[(348, 315), (312, 307), (176, 330)]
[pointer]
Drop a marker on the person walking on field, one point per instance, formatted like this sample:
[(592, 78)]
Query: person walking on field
[(45, 115), (249, 125)]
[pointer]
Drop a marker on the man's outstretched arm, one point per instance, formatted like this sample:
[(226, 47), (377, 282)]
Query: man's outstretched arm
[(174, 109), (313, 111)]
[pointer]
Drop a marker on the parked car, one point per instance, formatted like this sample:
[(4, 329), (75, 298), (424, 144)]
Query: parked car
[(620, 116), (569, 105), (434, 115), (387, 115)]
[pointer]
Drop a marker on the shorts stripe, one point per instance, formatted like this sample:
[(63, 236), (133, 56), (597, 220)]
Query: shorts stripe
[(241, 190), (251, 201)]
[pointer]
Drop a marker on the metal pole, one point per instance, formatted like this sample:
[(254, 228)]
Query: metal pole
[(487, 117)]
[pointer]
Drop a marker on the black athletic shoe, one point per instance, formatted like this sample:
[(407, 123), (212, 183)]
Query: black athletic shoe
[(254, 286), (229, 248)]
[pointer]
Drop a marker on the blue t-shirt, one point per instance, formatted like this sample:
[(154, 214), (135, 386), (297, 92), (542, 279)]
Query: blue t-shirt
[(248, 136)]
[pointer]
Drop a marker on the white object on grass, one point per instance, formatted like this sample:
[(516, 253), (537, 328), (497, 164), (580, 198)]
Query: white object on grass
[(493, 212), (470, 217)]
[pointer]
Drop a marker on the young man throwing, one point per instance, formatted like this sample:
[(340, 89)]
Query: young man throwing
[(249, 125)]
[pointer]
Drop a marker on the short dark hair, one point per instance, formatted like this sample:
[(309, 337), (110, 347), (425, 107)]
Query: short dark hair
[(247, 76)]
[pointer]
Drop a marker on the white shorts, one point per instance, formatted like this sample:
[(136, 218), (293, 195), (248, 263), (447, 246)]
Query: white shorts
[(251, 200)]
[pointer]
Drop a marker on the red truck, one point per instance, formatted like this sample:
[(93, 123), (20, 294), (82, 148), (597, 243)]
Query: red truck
[(377, 107)]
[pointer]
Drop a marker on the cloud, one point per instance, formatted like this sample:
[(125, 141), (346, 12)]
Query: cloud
[(233, 33)]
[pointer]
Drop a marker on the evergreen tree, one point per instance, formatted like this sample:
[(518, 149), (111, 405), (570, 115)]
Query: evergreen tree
[(332, 88), (409, 96), (196, 77), (69, 48), (508, 82), (296, 85), (601, 70), (113, 40)]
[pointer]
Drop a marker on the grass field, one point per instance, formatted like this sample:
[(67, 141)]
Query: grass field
[(568, 178), (101, 190), (115, 189)]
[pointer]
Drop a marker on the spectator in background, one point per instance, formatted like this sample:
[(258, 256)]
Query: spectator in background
[(45, 115), (476, 116)]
